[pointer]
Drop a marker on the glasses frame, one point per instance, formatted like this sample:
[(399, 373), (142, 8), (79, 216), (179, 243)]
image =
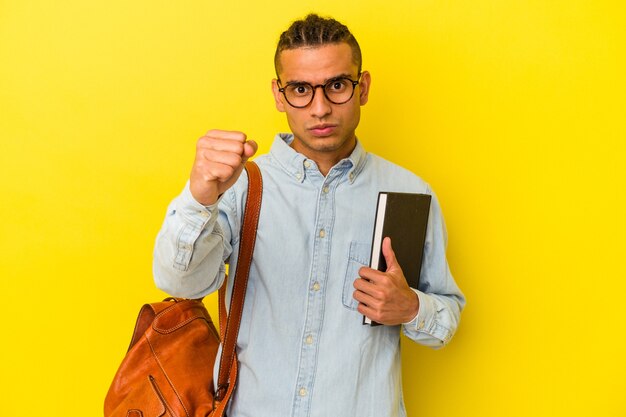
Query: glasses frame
[(323, 86)]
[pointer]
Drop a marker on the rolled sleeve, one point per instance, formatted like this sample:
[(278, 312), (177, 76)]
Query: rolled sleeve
[(196, 218), (189, 249)]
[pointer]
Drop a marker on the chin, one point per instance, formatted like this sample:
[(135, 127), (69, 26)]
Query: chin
[(325, 144)]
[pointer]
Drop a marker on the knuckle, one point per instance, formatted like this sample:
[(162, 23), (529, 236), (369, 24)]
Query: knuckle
[(229, 171), (375, 292), (204, 157), (198, 168), (200, 164), (238, 148), (202, 142), (385, 280), (206, 177), (226, 134), (384, 295), (233, 163)]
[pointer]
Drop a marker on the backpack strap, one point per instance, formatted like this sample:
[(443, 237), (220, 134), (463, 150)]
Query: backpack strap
[(229, 328)]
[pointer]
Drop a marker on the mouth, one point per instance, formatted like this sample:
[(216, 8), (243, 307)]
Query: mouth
[(322, 130)]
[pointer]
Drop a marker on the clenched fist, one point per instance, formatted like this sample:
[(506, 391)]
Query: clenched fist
[(220, 158)]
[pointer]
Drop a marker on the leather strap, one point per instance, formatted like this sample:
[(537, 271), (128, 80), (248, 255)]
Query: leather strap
[(229, 328)]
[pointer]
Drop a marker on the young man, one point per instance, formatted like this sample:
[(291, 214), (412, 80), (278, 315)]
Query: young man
[(302, 347)]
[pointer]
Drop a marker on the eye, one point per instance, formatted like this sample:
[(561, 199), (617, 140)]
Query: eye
[(337, 86), (299, 89)]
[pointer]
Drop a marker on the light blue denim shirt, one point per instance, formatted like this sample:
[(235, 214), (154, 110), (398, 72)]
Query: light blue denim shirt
[(302, 346)]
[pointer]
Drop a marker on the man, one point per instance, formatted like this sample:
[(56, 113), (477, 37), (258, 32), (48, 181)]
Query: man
[(302, 347)]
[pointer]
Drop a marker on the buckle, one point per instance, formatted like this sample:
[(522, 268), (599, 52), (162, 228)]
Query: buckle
[(220, 392)]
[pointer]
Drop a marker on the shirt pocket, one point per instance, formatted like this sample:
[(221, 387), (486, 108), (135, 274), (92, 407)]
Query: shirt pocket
[(357, 257)]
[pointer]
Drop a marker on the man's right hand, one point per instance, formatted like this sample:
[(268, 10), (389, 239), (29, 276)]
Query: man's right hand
[(220, 158)]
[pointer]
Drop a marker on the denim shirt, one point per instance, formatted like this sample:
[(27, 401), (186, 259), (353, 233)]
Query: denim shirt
[(302, 347)]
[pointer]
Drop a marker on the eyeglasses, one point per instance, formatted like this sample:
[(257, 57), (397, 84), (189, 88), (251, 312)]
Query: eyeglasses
[(337, 90)]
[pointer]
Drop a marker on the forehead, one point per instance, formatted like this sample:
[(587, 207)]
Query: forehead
[(316, 64)]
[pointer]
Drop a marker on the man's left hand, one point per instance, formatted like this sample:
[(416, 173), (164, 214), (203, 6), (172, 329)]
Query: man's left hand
[(385, 297)]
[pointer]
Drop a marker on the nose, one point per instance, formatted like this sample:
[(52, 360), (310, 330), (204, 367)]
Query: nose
[(320, 106)]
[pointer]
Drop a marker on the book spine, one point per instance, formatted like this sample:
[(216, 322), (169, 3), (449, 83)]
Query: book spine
[(377, 240)]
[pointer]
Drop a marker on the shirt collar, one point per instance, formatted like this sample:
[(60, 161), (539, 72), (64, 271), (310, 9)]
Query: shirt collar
[(296, 164)]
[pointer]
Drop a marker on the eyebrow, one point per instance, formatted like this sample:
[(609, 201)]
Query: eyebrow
[(344, 75)]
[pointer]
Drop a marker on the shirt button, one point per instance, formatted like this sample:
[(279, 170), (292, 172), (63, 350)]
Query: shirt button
[(298, 175), (307, 164), (325, 190), (204, 213), (309, 340), (316, 286), (420, 326), (351, 176), (322, 233), (302, 392)]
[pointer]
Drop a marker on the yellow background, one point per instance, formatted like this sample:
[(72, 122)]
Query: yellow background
[(513, 110)]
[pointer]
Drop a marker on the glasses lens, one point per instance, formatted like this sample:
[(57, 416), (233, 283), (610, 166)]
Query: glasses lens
[(339, 91), (299, 95)]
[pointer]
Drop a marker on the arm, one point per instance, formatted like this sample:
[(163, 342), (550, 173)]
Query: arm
[(189, 250), (430, 314)]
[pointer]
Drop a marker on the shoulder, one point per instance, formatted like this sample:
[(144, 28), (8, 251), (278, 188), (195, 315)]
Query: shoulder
[(393, 175)]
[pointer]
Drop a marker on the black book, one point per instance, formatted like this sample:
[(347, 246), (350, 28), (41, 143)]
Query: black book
[(403, 217)]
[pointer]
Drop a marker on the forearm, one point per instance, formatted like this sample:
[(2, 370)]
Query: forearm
[(189, 249)]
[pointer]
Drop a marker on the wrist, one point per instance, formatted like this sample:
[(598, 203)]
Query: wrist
[(204, 198), (413, 310)]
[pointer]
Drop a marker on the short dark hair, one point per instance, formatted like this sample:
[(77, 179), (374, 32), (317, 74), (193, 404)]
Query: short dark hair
[(314, 31)]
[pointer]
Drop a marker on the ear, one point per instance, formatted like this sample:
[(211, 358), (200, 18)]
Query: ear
[(278, 96), (364, 87)]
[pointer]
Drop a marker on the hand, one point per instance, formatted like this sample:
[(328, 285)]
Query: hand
[(220, 158), (385, 297)]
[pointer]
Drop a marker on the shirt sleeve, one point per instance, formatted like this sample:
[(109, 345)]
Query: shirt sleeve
[(440, 299), (189, 249)]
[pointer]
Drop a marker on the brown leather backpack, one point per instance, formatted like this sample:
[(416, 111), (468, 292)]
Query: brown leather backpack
[(168, 369)]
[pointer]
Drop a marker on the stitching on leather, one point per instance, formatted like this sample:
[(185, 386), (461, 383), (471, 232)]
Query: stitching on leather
[(178, 326), (158, 393), (156, 358), (254, 209)]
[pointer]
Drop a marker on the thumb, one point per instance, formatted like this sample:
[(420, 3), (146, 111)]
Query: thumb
[(390, 256), (249, 149)]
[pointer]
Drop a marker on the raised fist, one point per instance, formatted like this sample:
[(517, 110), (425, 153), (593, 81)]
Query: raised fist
[(220, 158)]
